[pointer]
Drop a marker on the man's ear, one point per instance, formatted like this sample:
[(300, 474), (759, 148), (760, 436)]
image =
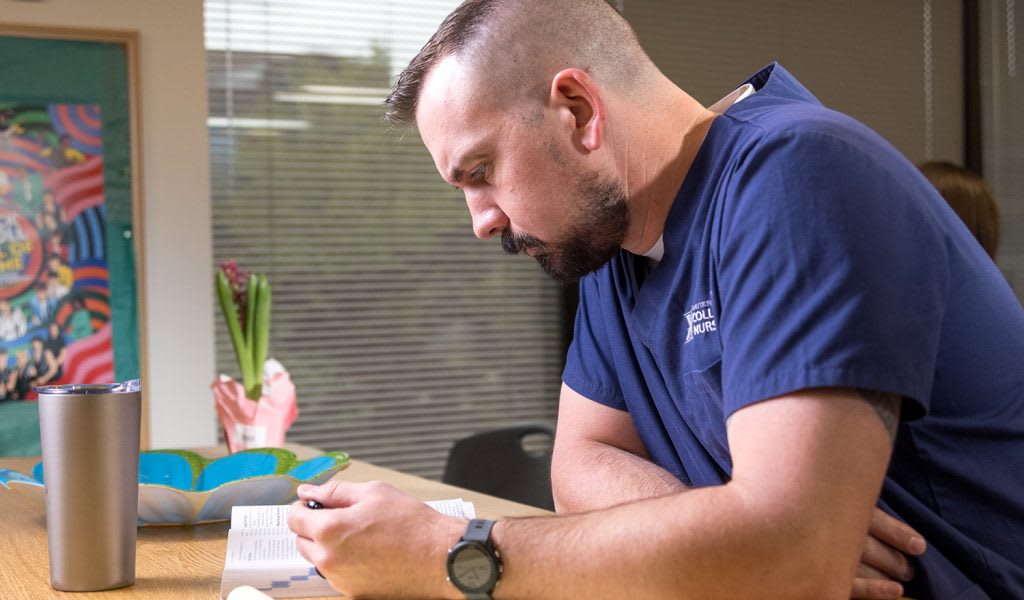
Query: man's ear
[(578, 101)]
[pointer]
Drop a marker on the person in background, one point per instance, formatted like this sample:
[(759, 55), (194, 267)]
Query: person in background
[(43, 363), (22, 375), (6, 384), (65, 154), (56, 269), (971, 199), (778, 331), (13, 323), (79, 323), (46, 218), (43, 304), (55, 290), (55, 349)]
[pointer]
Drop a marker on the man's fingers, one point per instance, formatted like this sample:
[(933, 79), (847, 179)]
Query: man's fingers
[(305, 521), (335, 493), (896, 533), (867, 572), (301, 521), (309, 550), (885, 558), (872, 588)]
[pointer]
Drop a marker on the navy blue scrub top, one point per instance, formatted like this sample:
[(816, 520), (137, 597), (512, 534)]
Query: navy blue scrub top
[(805, 251)]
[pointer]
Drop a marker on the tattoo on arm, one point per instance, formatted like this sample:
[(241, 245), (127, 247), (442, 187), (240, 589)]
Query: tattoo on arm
[(887, 407)]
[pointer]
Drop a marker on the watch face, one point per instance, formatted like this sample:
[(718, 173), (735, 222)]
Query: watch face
[(472, 569)]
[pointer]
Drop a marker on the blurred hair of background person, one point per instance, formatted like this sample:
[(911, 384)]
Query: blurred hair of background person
[(970, 197)]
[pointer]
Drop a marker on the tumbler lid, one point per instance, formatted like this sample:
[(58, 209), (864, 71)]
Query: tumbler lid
[(90, 388)]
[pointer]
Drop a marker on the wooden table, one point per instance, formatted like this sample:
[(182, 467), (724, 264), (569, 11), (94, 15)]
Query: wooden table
[(178, 562)]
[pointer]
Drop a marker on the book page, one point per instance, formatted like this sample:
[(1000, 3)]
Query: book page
[(261, 551), (457, 507), (269, 547), (250, 517)]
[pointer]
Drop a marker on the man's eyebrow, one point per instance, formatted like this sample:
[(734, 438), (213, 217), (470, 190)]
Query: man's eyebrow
[(455, 176), (457, 173)]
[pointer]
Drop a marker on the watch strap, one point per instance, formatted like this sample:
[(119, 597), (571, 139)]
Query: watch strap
[(479, 530)]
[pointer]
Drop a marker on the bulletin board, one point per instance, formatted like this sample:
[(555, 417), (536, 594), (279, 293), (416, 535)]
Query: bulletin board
[(71, 308)]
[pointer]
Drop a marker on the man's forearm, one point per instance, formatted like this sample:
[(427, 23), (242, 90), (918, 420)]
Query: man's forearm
[(592, 475), (790, 522), (707, 543)]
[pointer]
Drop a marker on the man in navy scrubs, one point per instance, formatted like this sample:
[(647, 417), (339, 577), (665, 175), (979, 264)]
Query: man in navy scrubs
[(781, 326)]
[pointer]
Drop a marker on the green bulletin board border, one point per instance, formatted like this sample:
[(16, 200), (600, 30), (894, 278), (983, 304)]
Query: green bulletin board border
[(80, 66)]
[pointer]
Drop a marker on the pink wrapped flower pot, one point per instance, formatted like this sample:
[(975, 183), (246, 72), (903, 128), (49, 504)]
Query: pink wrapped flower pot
[(250, 423)]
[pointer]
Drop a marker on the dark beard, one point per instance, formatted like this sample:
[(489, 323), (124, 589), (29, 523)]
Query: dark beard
[(596, 236)]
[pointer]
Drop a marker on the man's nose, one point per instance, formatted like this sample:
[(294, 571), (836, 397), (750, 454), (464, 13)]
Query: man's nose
[(488, 219)]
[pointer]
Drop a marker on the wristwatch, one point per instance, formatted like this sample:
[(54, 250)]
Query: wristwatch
[(474, 565)]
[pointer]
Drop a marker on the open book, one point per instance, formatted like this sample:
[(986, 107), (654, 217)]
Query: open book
[(261, 552)]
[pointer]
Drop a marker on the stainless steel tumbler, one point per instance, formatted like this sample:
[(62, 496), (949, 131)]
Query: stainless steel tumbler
[(90, 442)]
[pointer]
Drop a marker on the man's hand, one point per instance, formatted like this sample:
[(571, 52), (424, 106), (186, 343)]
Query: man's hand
[(371, 540), (883, 564)]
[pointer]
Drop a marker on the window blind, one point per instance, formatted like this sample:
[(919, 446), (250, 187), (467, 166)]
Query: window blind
[(1002, 92), (401, 330), (895, 66)]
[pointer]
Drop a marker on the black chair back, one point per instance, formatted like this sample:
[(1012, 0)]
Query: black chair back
[(494, 462)]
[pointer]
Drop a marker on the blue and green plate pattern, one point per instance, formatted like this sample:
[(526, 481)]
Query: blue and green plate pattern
[(179, 487)]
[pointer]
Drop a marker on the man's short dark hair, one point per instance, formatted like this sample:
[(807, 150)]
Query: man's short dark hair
[(450, 38), (513, 44)]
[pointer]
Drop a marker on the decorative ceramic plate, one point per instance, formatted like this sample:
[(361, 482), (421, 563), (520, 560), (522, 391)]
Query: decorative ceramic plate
[(178, 487)]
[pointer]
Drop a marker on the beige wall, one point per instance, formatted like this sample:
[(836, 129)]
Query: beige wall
[(178, 355)]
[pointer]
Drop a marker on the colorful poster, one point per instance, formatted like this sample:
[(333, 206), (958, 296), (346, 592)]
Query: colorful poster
[(55, 319)]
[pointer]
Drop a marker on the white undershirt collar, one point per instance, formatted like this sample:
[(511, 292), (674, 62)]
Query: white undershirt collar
[(657, 251)]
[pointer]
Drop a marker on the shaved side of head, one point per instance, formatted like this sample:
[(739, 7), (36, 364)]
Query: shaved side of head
[(513, 49)]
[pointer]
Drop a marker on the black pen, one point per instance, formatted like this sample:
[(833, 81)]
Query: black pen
[(313, 504)]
